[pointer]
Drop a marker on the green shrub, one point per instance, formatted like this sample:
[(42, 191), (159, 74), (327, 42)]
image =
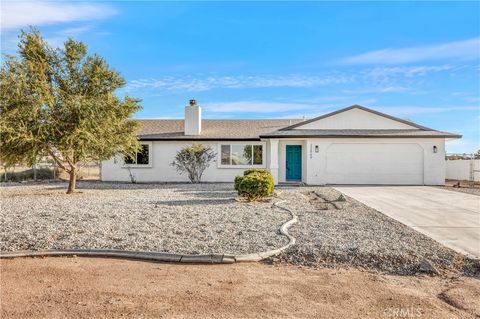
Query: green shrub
[(254, 184), (248, 172), (255, 170), (237, 181), (42, 173)]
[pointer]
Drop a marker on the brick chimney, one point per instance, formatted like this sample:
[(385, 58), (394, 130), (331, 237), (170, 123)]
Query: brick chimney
[(193, 118)]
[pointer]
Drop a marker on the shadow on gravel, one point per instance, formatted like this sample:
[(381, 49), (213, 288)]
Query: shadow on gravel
[(205, 189), (208, 193), (153, 185), (218, 201)]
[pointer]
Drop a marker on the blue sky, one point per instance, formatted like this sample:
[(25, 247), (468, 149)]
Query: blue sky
[(419, 61)]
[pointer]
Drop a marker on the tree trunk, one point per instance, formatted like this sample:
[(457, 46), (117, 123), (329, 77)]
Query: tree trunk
[(72, 181)]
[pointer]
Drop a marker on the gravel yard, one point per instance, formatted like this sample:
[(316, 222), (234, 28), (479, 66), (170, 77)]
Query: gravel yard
[(206, 218), (351, 233), (176, 218)]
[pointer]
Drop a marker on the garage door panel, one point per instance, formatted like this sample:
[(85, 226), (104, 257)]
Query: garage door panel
[(374, 164)]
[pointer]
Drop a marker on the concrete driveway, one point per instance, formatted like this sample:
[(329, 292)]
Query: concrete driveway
[(451, 218)]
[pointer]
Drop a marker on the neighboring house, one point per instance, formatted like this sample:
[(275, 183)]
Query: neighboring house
[(354, 145)]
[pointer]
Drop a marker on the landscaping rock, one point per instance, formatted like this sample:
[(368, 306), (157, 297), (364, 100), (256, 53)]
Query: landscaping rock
[(173, 218), (357, 235), (206, 219), (426, 266)]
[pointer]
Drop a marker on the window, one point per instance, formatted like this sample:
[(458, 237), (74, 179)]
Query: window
[(141, 158), (225, 160), (241, 154), (257, 154)]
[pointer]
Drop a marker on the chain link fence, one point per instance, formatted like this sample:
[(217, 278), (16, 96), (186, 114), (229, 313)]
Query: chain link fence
[(47, 170)]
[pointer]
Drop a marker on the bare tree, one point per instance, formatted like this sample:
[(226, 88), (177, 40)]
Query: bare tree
[(193, 160)]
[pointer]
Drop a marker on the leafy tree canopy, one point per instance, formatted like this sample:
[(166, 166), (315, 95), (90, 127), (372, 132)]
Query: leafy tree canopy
[(62, 103)]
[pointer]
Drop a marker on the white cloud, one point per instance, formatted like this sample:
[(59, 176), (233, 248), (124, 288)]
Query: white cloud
[(336, 101), (378, 89), (379, 79), (414, 110), (325, 99), (256, 107), (21, 14), (292, 109), (395, 79), (72, 32), (467, 96), (459, 50), (406, 71), (197, 84), (58, 38)]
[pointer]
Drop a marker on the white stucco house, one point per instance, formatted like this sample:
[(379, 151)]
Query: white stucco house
[(354, 145)]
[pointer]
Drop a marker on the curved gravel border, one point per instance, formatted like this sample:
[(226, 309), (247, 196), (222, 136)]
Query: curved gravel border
[(166, 257), (283, 230)]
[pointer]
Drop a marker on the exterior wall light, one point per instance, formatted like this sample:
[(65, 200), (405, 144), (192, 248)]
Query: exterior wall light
[(435, 149), (316, 148)]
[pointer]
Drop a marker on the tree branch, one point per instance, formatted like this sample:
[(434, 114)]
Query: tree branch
[(55, 158), (70, 162)]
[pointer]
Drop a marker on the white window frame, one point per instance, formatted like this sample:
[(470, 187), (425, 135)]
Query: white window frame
[(264, 155), (150, 157)]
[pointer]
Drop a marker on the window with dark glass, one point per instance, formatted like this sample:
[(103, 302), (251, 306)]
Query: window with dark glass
[(129, 159), (142, 155), (140, 158)]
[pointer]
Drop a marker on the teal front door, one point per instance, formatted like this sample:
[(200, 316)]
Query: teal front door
[(294, 163)]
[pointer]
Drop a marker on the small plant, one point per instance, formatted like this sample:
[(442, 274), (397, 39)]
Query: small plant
[(254, 184), (193, 160)]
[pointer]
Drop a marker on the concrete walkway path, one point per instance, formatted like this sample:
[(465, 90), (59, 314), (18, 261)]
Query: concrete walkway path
[(451, 218)]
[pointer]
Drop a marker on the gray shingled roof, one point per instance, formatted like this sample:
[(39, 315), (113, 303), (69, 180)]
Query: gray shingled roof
[(211, 129), (254, 129), (360, 133)]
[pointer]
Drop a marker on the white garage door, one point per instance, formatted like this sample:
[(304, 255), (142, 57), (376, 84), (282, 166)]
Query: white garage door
[(400, 164)]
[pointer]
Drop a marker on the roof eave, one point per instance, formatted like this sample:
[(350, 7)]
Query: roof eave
[(189, 138), (453, 136)]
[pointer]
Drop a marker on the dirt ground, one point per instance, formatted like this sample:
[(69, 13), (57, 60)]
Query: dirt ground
[(465, 187), (111, 288)]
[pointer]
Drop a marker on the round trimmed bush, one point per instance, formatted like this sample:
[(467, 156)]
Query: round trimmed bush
[(254, 184), (256, 170)]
